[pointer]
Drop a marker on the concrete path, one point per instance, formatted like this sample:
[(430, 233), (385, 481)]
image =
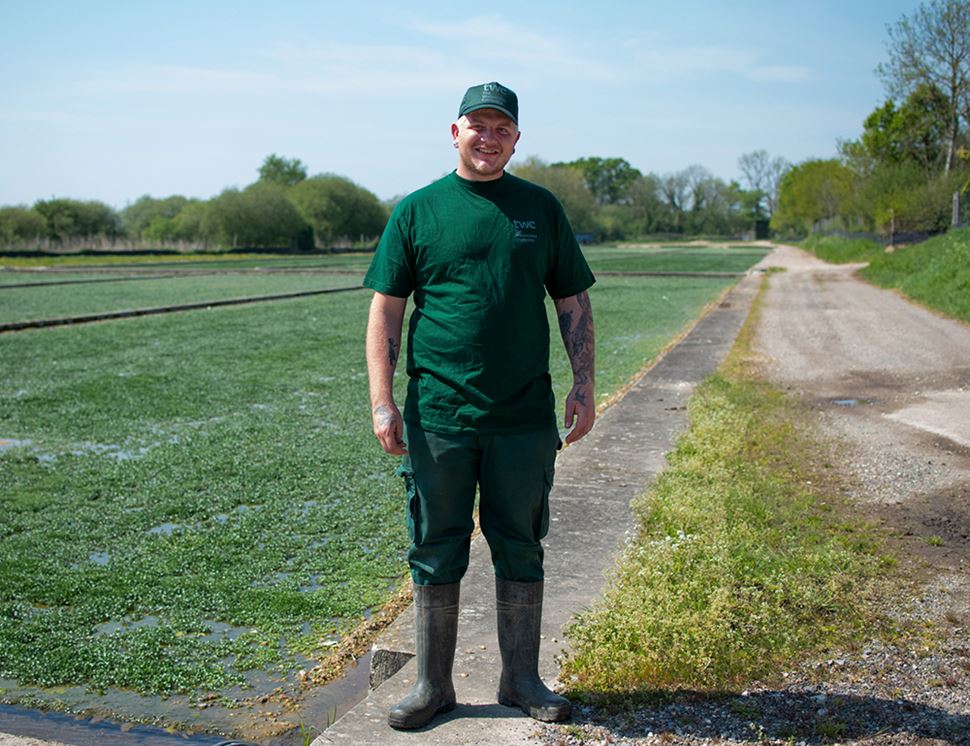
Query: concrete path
[(595, 482)]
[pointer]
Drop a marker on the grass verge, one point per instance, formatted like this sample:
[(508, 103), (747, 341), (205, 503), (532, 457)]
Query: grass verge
[(935, 273), (842, 250), (740, 563)]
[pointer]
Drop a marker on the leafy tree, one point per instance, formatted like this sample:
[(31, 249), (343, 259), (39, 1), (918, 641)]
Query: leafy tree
[(813, 192), (715, 205), (194, 222), (915, 131), (675, 190), (932, 48), (284, 172), (73, 219), (642, 212), (338, 209), (569, 185), (146, 211), (183, 224), (763, 174), (609, 179), (261, 216), (21, 225)]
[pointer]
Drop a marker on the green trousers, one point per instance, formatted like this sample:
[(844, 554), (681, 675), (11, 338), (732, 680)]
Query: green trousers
[(513, 474)]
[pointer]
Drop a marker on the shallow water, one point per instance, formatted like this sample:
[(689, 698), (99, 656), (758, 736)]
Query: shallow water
[(257, 715)]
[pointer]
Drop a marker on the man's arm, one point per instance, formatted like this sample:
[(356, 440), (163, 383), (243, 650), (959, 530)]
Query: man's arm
[(383, 347), (576, 326)]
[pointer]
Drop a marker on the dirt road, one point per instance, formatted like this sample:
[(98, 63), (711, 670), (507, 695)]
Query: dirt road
[(891, 381)]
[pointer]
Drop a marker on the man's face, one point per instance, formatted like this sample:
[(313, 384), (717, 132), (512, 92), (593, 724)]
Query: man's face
[(485, 140)]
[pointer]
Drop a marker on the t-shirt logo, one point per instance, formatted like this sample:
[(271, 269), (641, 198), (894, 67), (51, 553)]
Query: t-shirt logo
[(526, 231)]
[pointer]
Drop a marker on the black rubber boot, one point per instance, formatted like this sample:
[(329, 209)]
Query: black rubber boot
[(519, 607), (435, 633)]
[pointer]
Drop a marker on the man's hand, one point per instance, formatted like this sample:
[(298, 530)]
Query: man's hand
[(389, 428), (581, 410)]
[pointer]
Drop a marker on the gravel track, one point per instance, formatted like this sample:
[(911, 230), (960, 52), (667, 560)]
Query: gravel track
[(890, 384)]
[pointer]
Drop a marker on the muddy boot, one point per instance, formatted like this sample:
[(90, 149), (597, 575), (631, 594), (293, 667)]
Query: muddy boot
[(435, 632), (519, 607)]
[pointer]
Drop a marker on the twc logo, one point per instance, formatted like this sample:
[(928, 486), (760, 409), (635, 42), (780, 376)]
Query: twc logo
[(526, 231)]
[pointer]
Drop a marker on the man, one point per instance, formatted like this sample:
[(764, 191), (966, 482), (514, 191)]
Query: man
[(478, 249)]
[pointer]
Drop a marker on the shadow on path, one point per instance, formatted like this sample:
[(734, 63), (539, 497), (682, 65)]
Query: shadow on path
[(783, 716)]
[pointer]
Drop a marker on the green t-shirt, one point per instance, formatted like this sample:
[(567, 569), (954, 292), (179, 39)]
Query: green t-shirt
[(479, 257)]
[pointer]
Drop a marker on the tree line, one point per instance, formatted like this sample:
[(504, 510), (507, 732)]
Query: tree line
[(284, 208), (604, 198), (913, 154), (610, 199)]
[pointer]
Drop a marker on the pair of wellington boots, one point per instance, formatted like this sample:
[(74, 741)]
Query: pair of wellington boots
[(519, 616)]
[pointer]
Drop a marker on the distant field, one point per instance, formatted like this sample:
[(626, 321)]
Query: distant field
[(28, 303), (192, 261), (40, 277), (672, 259), (189, 499)]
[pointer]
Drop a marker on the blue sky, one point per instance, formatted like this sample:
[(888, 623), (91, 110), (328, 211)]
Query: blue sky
[(113, 100)]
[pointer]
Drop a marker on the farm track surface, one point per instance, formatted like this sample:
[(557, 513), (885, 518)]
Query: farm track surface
[(888, 383)]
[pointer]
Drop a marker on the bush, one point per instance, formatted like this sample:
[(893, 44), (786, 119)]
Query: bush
[(21, 226)]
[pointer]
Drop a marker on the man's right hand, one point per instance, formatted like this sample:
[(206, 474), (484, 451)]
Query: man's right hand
[(389, 428)]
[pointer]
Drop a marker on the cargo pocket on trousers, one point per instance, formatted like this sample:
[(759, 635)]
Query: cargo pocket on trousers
[(413, 518)]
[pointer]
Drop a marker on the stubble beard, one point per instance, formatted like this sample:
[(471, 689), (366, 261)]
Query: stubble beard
[(487, 170)]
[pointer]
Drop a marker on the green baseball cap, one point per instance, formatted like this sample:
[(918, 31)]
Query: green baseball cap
[(490, 96)]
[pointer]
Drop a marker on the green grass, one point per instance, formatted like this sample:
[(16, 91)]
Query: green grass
[(671, 259), (737, 568), (23, 304), (38, 277), (842, 250), (935, 273), (190, 497)]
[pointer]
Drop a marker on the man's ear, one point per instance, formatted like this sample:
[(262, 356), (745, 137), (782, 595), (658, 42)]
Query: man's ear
[(455, 131)]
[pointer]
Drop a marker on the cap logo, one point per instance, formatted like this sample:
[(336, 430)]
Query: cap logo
[(492, 95)]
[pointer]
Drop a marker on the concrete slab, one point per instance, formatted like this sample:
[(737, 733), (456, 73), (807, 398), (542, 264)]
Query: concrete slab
[(590, 517), (935, 414)]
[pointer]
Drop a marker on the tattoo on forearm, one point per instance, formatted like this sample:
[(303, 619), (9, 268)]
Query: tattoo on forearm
[(393, 350), (579, 340), (565, 322)]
